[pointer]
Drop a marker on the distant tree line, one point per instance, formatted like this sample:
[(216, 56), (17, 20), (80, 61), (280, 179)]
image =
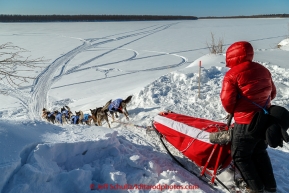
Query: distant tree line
[(251, 16), (89, 18)]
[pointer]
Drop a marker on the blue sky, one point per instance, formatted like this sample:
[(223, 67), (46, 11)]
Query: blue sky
[(197, 8)]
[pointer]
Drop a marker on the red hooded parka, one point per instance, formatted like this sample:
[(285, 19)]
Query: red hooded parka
[(248, 79)]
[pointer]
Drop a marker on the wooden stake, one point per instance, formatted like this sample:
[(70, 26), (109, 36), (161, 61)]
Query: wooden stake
[(200, 65)]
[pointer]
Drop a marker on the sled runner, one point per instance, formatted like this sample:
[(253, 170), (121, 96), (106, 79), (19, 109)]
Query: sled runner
[(190, 136)]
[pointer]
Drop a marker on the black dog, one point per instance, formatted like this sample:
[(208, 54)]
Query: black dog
[(65, 114)]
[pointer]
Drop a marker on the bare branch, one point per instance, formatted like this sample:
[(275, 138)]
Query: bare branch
[(12, 62), (216, 48)]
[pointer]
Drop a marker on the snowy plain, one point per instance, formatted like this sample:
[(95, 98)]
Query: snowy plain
[(91, 63)]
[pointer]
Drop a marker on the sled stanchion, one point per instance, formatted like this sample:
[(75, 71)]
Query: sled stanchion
[(217, 164), (230, 117), (208, 160)]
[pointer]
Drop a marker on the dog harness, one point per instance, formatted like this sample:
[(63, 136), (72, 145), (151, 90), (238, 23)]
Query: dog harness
[(59, 117), (115, 105), (85, 117), (65, 112), (74, 119), (49, 115)]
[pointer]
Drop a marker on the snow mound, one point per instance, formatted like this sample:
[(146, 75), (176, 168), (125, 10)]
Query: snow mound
[(80, 166), (209, 60), (179, 92), (284, 44)]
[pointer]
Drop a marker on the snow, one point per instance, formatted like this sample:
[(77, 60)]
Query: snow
[(90, 63), (284, 44)]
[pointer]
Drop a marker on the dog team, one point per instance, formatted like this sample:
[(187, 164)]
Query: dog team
[(98, 115)]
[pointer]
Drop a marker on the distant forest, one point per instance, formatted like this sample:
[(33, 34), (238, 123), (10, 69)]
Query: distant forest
[(94, 18), (88, 18), (251, 16)]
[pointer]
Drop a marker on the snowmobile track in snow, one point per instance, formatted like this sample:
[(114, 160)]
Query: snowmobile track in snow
[(44, 81)]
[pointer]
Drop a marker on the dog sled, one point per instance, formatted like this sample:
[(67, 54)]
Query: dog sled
[(191, 137)]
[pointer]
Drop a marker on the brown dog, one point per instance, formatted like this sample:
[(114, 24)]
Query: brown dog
[(48, 116), (44, 113), (100, 114), (94, 114), (84, 118)]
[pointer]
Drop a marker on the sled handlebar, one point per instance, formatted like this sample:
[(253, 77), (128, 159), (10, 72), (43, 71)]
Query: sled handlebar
[(230, 117)]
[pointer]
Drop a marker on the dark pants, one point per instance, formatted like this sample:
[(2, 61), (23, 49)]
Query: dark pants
[(252, 160)]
